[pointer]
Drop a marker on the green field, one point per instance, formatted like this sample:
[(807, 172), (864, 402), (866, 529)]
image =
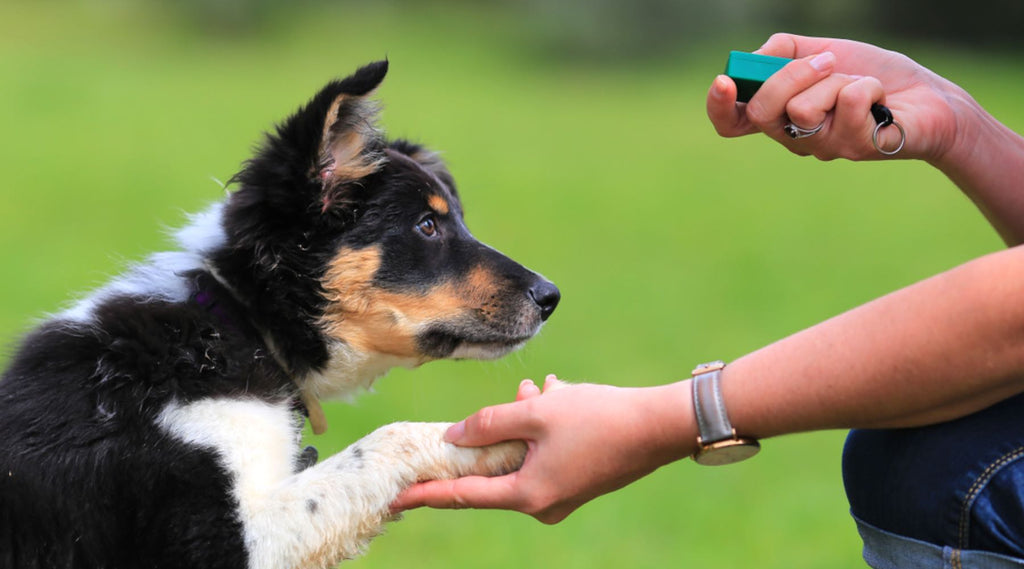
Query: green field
[(670, 245)]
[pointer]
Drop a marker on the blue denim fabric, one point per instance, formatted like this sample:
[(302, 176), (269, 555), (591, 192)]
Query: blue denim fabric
[(884, 550), (956, 485)]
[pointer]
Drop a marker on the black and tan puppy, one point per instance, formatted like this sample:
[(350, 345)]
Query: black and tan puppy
[(157, 422)]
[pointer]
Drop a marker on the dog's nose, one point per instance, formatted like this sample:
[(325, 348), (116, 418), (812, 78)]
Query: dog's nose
[(546, 295)]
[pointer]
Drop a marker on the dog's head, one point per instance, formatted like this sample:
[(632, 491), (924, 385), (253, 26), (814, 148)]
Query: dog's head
[(338, 237)]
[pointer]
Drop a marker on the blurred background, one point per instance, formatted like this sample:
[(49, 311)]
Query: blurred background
[(577, 133)]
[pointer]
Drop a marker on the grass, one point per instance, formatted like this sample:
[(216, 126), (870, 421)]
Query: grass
[(671, 246)]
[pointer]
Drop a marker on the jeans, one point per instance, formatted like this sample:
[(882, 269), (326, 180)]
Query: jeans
[(946, 495)]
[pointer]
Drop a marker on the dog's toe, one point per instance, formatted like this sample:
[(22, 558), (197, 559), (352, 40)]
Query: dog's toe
[(499, 459)]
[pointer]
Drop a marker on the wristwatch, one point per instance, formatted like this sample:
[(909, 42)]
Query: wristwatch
[(717, 442)]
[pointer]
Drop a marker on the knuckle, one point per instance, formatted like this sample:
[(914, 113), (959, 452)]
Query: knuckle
[(532, 416), (758, 115), (856, 94), (777, 39), (801, 113), (458, 502), (482, 421)]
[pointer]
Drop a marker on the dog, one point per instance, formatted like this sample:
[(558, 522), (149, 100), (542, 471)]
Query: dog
[(157, 422)]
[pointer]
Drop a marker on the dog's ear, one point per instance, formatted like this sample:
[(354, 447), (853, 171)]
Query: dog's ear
[(330, 141), (351, 146)]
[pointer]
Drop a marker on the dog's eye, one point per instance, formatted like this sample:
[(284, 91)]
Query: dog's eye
[(427, 226)]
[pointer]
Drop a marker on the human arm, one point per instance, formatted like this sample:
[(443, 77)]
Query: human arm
[(836, 81), (939, 349)]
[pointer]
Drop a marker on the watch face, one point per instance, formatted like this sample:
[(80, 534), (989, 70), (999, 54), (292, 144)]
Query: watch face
[(726, 452)]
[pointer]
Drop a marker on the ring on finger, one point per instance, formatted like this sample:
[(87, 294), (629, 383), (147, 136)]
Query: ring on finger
[(795, 132)]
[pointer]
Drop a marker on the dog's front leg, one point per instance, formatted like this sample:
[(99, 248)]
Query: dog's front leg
[(331, 511)]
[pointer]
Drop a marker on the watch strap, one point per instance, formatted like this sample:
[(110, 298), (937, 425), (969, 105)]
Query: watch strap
[(712, 420)]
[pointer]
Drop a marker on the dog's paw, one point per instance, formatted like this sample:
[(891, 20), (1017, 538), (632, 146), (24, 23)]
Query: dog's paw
[(493, 460), (422, 449)]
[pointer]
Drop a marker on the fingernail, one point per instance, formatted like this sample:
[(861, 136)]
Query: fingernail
[(551, 382), (823, 61), (455, 432), (525, 383), (719, 86)]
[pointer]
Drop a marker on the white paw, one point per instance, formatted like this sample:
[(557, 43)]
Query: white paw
[(421, 447), (494, 460)]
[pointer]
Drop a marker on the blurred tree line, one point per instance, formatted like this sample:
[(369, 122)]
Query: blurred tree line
[(636, 28)]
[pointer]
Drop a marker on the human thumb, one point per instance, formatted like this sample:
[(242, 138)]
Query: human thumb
[(492, 425), (455, 432)]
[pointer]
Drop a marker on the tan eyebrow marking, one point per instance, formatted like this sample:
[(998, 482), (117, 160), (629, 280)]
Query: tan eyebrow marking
[(438, 204)]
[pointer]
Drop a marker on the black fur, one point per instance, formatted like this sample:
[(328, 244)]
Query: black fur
[(86, 481)]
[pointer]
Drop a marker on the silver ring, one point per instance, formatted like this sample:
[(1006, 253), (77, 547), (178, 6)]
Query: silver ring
[(796, 132), (903, 138)]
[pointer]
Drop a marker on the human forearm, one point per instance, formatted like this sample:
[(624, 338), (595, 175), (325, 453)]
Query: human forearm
[(936, 350), (986, 161)]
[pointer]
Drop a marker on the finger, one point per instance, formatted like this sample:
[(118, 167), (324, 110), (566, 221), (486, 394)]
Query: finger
[(527, 389), (767, 108), (794, 46), (495, 424), (728, 119), (423, 494), (811, 107), (552, 383), (432, 493), (853, 121), (469, 492)]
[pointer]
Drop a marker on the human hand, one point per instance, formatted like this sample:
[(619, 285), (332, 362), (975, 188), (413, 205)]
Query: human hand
[(834, 82), (584, 440)]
